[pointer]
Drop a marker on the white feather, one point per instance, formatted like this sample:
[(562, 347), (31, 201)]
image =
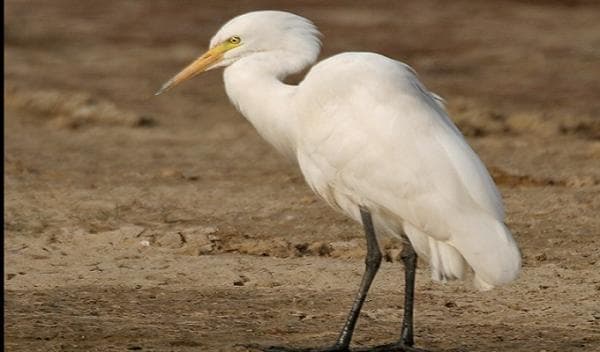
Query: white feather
[(366, 132)]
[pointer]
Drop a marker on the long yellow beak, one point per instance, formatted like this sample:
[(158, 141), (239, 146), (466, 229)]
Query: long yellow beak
[(198, 66)]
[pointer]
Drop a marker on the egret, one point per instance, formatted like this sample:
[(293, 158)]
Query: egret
[(375, 144)]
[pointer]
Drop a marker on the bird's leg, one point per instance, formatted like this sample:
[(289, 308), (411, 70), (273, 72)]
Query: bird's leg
[(409, 257), (372, 262), (406, 342)]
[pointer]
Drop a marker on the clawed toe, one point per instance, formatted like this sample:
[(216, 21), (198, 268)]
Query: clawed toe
[(392, 347), (310, 349), (334, 348)]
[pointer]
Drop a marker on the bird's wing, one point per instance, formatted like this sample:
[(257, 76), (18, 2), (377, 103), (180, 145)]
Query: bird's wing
[(374, 132), (370, 134)]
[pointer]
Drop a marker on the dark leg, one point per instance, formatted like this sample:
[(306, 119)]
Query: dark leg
[(372, 261), (406, 342), (409, 257)]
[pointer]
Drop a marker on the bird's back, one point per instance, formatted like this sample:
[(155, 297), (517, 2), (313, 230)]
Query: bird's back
[(371, 134)]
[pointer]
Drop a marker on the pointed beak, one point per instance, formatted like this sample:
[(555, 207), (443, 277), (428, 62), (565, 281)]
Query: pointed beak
[(203, 63)]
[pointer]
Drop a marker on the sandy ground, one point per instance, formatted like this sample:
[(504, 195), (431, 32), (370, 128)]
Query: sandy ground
[(135, 222)]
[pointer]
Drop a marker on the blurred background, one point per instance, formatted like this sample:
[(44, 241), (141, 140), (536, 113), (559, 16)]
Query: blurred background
[(102, 177)]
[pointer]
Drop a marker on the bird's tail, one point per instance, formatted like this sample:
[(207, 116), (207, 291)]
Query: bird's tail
[(445, 261), (489, 248), (485, 244)]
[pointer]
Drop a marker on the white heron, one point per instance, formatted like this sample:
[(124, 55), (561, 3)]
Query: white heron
[(375, 144)]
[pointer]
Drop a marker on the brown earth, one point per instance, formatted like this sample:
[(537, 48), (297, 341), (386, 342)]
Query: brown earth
[(135, 222)]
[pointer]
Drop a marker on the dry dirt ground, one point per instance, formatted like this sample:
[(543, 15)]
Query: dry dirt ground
[(135, 222)]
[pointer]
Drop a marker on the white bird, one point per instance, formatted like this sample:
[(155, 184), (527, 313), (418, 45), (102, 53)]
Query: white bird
[(375, 144)]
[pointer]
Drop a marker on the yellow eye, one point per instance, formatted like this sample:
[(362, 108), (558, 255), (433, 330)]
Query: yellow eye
[(234, 40)]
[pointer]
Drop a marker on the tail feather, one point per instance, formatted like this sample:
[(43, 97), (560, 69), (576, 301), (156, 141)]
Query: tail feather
[(450, 265), (484, 244), (489, 248), (445, 261)]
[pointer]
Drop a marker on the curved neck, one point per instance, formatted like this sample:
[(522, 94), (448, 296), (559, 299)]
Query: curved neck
[(254, 85)]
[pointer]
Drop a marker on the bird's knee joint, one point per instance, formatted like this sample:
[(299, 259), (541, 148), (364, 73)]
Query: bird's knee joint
[(373, 261), (408, 253), (407, 256)]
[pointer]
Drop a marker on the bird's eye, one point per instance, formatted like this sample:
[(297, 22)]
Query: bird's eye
[(234, 40)]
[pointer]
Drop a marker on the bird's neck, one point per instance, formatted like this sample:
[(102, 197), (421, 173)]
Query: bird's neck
[(254, 85)]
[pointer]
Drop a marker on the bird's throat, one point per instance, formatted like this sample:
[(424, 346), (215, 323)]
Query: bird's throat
[(256, 90)]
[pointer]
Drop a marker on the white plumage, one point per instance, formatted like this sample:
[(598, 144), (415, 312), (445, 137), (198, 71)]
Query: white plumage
[(380, 139), (365, 132)]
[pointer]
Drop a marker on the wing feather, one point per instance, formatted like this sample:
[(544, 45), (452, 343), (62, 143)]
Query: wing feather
[(371, 134)]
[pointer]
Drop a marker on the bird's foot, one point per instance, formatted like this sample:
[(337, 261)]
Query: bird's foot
[(334, 348), (391, 347)]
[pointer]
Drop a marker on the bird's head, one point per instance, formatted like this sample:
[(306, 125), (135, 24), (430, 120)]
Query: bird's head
[(254, 33)]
